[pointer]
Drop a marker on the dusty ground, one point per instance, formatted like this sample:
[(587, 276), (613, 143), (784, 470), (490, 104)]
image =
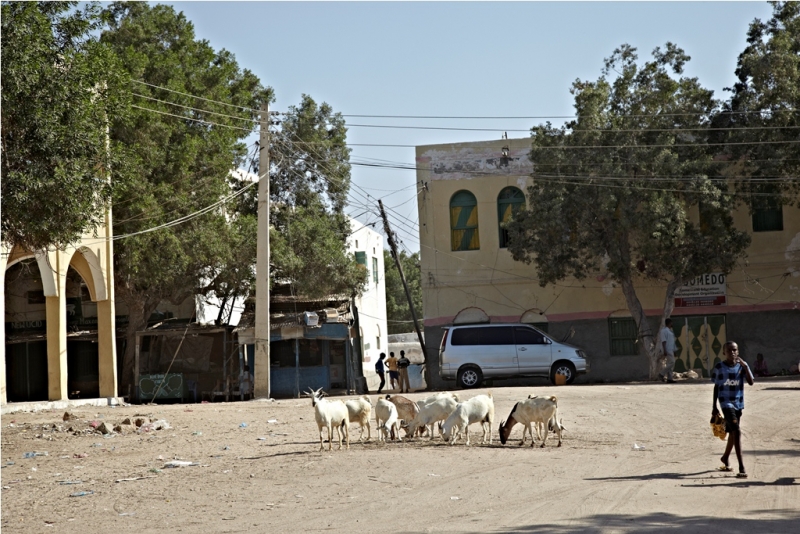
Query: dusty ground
[(271, 477)]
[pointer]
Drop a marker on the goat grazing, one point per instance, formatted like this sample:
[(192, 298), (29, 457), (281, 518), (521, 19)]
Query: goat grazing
[(386, 420), (439, 408), (406, 410), (479, 409), (330, 414), (359, 411), (543, 411)]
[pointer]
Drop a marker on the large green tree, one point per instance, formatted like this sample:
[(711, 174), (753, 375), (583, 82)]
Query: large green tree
[(761, 120), (614, 189), (192, 108), (398, 313), (59, 88)]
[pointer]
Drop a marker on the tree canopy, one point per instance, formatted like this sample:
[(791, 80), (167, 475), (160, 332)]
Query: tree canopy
[(398, 313), (627, 190), (192, 108), (60, 87)]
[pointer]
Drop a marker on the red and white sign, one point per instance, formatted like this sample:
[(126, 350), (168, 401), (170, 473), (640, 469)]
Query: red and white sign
[(705, 290)]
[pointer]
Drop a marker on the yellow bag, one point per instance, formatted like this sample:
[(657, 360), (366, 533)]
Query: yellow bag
[(718, 426)]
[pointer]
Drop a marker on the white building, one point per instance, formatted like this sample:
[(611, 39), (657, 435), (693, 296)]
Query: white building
[(367, 245)]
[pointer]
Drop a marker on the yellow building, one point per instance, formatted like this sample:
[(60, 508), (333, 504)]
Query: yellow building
[(38, 308), (467, 189)]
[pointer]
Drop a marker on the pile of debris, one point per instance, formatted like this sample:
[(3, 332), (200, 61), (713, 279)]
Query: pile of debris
[(76, 427)]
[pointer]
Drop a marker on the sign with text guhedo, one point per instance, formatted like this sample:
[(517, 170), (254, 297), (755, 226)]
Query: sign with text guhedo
[(705, 290)]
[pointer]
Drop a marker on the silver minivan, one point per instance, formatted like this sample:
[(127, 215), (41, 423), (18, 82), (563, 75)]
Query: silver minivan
[(470, 353)]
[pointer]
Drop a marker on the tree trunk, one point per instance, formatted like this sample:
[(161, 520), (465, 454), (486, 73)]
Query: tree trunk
[(642, 325)]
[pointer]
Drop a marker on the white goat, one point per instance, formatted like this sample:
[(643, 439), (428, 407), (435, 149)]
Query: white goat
[(479, 409), (359, 411), (330, 414), (541, 411), (432, 411), (386, 420)]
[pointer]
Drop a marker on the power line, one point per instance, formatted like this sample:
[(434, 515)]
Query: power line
[(568, 147), (537, 117), (257, 121), (195, 96), (192, 119), (575, 131)]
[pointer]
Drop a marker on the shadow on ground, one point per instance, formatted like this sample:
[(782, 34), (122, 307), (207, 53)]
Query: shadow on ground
[(786, 521)]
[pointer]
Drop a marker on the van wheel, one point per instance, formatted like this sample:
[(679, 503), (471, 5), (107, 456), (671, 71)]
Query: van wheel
[(469, 377), (563, 368)]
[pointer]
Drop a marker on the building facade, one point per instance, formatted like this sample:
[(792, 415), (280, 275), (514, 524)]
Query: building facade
[(467, 190), (367, 246), (59, 321)]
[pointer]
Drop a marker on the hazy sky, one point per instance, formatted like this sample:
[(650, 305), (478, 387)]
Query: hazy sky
[(458, 59)]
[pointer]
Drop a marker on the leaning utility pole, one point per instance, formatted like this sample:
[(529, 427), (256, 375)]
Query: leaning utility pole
[(261, 363), (396, 258)]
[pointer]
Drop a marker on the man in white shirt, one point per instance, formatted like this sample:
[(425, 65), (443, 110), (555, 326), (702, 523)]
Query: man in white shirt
[(667, 348)]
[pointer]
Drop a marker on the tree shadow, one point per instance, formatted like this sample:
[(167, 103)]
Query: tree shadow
[(781, 389), (662, 522), (778, 452), (657, 476), (747, 483)]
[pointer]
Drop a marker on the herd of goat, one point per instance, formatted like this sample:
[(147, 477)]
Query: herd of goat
[(441, 411)]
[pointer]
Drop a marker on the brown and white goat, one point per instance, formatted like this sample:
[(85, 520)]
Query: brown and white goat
[(541, 411)]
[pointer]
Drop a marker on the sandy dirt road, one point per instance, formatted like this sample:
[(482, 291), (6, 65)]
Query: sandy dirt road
[(271, 476)]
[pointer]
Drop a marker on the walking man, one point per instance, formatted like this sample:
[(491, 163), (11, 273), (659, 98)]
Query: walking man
[(667, 338), (381, 370), (729, 376), (391, 363), (402, 368)]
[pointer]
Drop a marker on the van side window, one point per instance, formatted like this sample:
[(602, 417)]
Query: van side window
[(526, 336), (500, 335)]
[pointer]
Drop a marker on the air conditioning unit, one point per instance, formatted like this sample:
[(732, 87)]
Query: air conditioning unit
[(310, 319)]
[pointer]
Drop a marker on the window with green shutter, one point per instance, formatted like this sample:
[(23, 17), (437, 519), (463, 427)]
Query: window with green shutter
[(767, 215), (464, 221), (375, 269), (361, 258), (509, 202), (623, 334)]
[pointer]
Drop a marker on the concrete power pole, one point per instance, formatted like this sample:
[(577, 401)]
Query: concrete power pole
[(261, 364), (396, 258)]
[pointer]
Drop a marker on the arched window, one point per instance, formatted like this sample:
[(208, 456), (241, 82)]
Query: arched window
[(509, 202), (464, 221)]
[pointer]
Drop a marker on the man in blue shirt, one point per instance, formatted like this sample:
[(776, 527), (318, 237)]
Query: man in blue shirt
[(729, 376), (381, 370)]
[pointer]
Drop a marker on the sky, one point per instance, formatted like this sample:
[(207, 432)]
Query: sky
[(454, 59)]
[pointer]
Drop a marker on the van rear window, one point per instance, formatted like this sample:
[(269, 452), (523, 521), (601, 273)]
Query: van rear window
[(499, 335)]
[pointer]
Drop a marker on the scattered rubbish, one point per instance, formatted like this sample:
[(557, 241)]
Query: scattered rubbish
[(34, 469), (226, 448), (637, 447), (69, 417), (242, 425), (127, 513), (179, 463), (82, 493), (132, 479), (155, 470), (603, 411), (252, 475), (226, 471), (97, 444), (161, 424), (80, 455), (34, 454), (432, 475), (94, 424), (159, 457), (623, 387), (197, 433), (272, 420), (70, 482), (455, 498), (10, 463), (261, 439)]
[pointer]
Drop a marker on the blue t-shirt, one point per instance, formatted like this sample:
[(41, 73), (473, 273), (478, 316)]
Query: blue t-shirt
[(379, 366), (731, 385)]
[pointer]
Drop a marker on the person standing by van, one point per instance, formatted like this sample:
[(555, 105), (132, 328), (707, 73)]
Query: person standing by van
[(381, 370), (667, 346), (402, 368)]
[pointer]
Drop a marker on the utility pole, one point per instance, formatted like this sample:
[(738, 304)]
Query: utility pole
[(261, 363), (396, 258)]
